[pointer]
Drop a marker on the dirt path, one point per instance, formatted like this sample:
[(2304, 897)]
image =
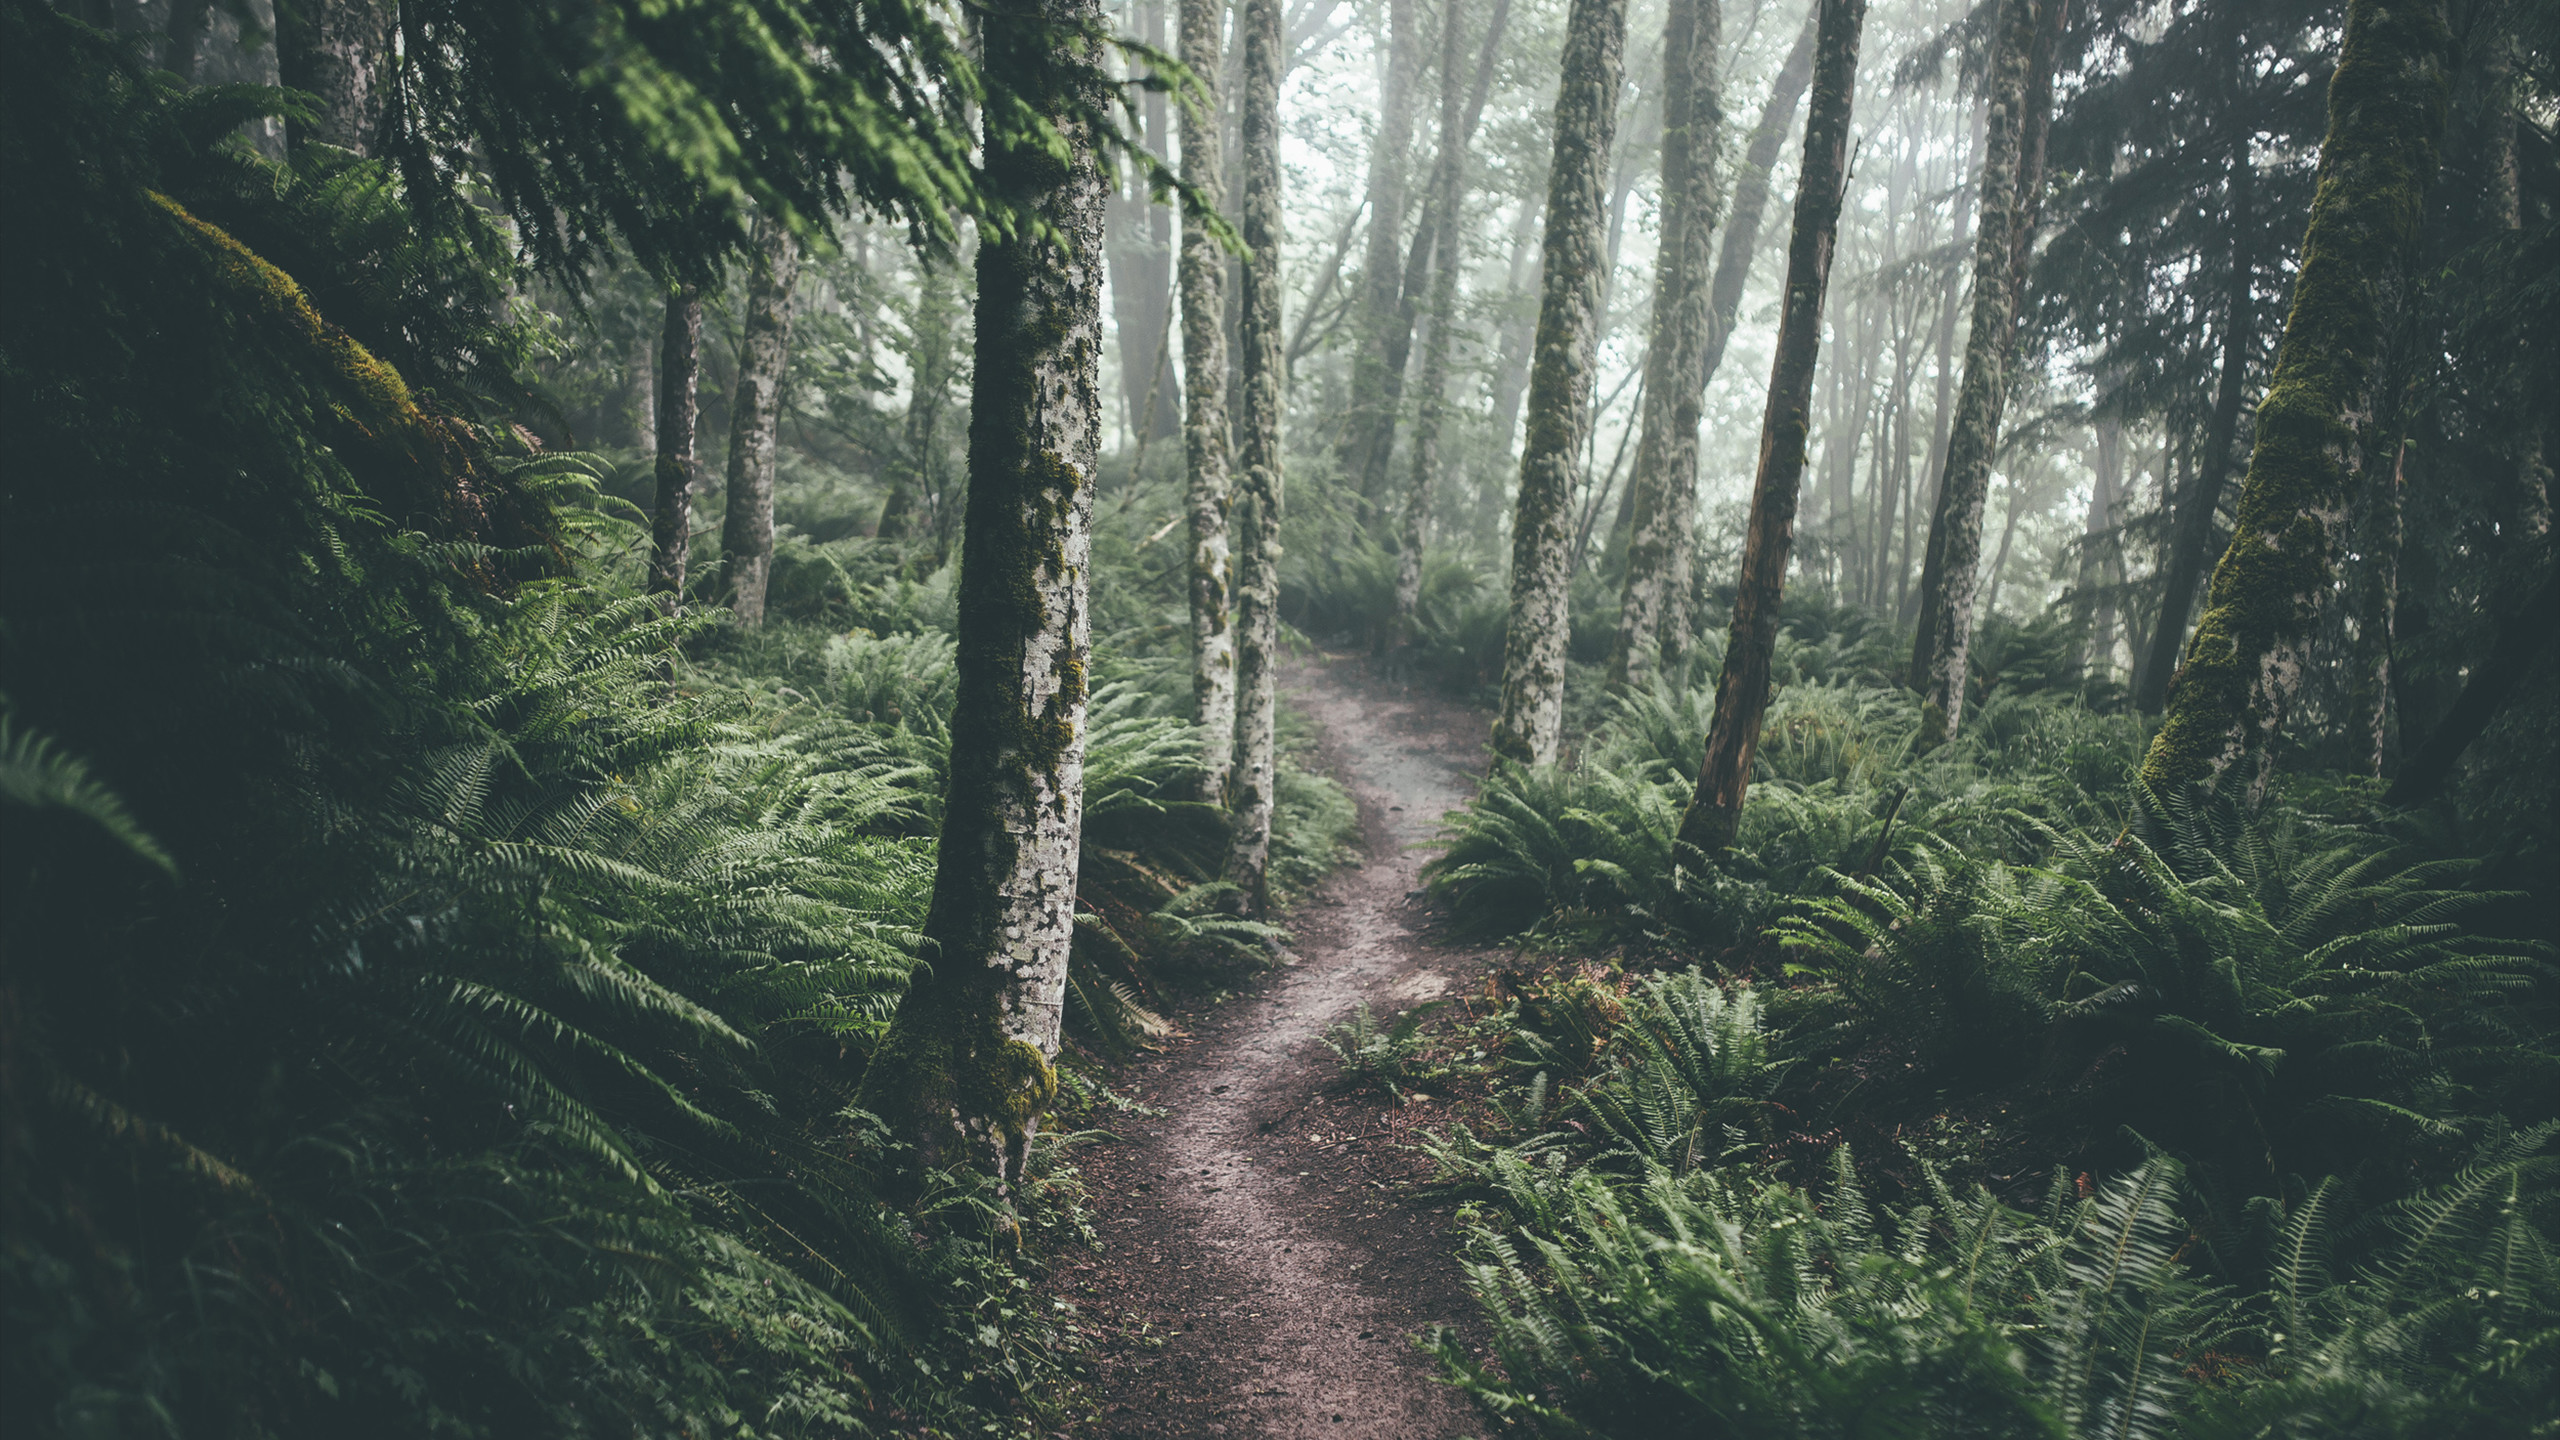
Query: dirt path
[(1260, 1277)]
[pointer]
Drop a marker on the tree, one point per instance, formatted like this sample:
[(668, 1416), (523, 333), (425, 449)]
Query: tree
[(1586, 121), (964, 1070), (1140, 254), (1204, 381), (1663, 491), (2386, 113), (1264, 361), (1742, 691), (755, 418), (1948, 573), (339, 51), (1448, 186), (679, 379), (1381, 270)]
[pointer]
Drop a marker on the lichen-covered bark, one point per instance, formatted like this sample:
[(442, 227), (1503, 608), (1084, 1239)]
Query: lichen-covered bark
[(1663, 490), (1586, 124), (2244, 666), (1381, 272), (1259, 342), (1204, 423), (671, 519), (964, 1071), (755, 419), (1949, 572), (1742, 692), (1458, 119)]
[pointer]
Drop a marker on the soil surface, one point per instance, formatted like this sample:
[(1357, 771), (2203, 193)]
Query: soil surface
[(1265, 1271)]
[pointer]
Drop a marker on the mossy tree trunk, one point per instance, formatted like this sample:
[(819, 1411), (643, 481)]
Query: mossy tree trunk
[(755, 423), (1949, 571), (1381, 268), (1458, 120), (2244, 666), (1260, 344), (965, 1069), (1673, 629), (1663, 491), (1742, 692), (1204, 423), (679, 382), (1560, 375)]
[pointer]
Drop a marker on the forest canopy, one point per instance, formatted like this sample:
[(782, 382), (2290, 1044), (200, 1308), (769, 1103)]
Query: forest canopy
[(649, 652)]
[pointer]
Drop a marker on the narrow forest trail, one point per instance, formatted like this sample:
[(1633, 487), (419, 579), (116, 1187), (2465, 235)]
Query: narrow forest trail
[(1263, 1275)]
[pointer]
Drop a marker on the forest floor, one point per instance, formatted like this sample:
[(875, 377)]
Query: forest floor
[(1266, 1266)]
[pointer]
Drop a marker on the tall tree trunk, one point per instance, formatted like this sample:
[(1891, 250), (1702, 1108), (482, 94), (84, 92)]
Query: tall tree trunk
[(2244, 666), (2522, 639), (2191, 538), (638, 417), (1948, 572), (1139, 252), (1533, 650), (965, 1069), (1742, 691), (1381, 271), (679, 382), (1663, 491), (1204, 430), (1448, 189), (2008, 534), (755, 420), (1519, 329), (2374, 593), (2098, 543), (337, 51), (1258, 461)]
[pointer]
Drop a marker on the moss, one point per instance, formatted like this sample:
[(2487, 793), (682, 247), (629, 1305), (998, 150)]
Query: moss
[(2386, 112)]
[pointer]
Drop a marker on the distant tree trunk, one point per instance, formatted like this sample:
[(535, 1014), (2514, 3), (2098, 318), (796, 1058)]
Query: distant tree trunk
[(755, 422), (1258, 461), (1742, 691), (2244, 666), (638, 417), (964, 1072), (1663, 491), (1533, 652), (1381, 270), (2523, 637), (1139, 251), (2191, 539), (1948, 573), (2008, 534), (1204, 430), (1519, 331), (2098, 543), (337, 51), (679, 378), (1448, 189)]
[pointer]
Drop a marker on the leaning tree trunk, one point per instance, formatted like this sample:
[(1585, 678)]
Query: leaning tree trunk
[(1742, 693), (2191, 537), (755, 420), (1261, 344), (1448, 191), (1947, 574), (965, 1069), (679, 378), (2244, 666), (1381, 272), (1204, 425), (1663, 491), (1533, 651)]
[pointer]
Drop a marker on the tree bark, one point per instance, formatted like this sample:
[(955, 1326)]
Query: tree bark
[(2098, 545), (1742, 691), (1663, 491), (1381, 270), (1560, 376), (1948, 571), (755, 420), (2522, 638), (679, 380), (1448, 177), (1204, 427), (2191, 541), (2244, 665), (336, 50), (1258, 477), (965, 1069)]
